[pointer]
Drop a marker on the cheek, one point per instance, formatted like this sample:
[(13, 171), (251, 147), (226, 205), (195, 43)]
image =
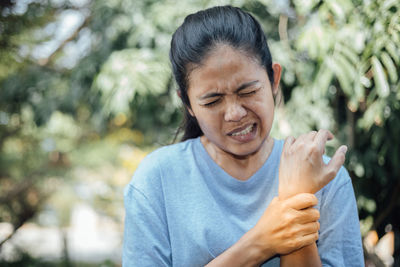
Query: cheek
[(207, 121), (209, 126), (263, 108)]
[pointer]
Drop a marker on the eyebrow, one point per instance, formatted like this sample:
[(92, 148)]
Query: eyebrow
[(241, 87)]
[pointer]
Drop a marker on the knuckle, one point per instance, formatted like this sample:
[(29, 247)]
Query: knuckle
[(316, 236), (288, 219), (296, 243), (316, 214), (299, 145), (293, 242), (289, 234), (296, 230), (289, 140), (323, 131), (313, 148), (284, 205), (312, 199), (331, 173)]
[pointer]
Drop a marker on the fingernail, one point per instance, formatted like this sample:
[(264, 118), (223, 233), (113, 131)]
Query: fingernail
[(343, 149)]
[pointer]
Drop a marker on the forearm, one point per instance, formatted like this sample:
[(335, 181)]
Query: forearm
[(243, 253), (306, 256)]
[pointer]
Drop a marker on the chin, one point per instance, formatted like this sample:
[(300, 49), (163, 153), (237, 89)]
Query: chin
[(244, 150)]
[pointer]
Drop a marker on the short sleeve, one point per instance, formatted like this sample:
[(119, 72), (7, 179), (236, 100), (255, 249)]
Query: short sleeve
[(339, 241), (146, 240)]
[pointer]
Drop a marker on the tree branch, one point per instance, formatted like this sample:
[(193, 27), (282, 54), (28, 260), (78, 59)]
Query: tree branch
[(49, 59)]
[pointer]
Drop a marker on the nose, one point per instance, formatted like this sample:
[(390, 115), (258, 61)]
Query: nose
[(235, 112)]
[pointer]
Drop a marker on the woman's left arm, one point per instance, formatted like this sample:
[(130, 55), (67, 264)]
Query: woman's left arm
[(339, 242), (302, 170)]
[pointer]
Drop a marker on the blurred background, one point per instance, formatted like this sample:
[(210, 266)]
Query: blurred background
[(86, 92)]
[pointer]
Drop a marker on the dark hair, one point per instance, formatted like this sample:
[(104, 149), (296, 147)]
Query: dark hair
[(203, 31)]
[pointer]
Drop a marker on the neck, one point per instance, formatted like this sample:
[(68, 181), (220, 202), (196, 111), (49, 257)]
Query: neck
[(239, 167)]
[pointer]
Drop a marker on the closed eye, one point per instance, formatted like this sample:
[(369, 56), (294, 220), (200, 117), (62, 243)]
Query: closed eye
[(212, 103), (248, 93)]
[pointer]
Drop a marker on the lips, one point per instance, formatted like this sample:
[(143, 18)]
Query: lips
[(244, 134), (242, 130)]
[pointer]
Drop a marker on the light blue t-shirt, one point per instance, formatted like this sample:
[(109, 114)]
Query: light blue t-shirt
[(182, 209)]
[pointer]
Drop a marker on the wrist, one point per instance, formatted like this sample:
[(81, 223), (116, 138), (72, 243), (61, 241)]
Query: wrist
[(285, 194), (253, 243), (245, 252)]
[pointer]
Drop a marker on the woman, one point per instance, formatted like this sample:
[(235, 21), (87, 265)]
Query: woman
[(217, 198)]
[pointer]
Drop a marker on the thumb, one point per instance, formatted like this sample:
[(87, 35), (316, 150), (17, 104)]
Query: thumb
[(336, 162)]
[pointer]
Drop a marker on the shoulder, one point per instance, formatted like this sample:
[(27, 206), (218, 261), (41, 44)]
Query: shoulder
[(163, 160), (167, 157), (342, 182)]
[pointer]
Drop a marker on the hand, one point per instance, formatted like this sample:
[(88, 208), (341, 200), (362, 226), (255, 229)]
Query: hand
[(302, 169), (286, 225)]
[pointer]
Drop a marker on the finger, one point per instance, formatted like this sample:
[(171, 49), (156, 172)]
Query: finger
[(335, 163), (321, 138), (303, 137), (307, 215), (311, 135), (306, 240), (288, 143), (309, 228), (302, 201)]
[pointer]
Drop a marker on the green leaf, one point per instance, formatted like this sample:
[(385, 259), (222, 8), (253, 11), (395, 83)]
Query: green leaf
[(390, 67), (393, 51), (348, 68), (372, 115), (380, 43), (336, 9), (322, 81), (359, 90), (379, 78), (348, 52), (340, 73), (131, 72)]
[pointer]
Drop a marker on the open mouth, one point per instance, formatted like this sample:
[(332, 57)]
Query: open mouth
[(245, 131), (244, 134)]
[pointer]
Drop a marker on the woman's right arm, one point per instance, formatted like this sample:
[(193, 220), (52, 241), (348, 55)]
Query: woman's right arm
[(285, 226), (146, 240)]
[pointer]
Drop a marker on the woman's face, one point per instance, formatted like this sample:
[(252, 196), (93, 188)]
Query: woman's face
[(232, 99)]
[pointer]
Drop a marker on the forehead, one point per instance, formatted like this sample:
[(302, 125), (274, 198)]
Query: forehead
[(223, 69)]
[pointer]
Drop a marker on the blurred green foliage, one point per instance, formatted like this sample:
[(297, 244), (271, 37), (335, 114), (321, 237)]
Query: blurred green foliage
[(73, 72)]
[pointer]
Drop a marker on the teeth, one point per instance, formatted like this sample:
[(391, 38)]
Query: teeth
[(245, 131)]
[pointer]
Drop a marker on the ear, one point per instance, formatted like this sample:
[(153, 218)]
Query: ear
[(190, 111), (277, 77), (178, 92)]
